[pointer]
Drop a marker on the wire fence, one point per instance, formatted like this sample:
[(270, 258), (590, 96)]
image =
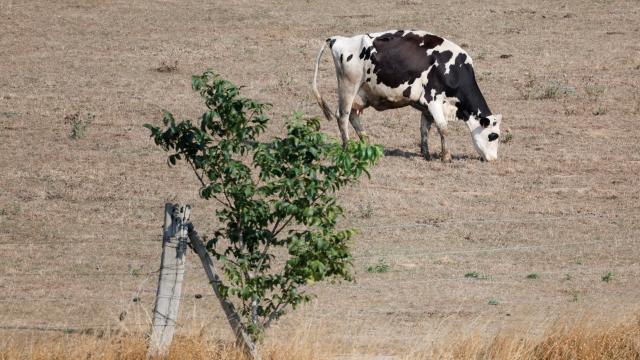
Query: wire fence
[(142, 291)]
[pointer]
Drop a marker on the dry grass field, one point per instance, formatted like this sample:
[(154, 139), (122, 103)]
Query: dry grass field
[(470, 249)]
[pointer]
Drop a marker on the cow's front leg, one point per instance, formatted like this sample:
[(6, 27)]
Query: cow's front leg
[(425, 127), (354, 119), (436, 108)]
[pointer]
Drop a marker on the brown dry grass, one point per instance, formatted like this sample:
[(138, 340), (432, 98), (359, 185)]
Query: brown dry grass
[(80, 219), (566, 340)]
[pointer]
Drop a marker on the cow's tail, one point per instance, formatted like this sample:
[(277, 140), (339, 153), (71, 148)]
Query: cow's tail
[(323, 104)]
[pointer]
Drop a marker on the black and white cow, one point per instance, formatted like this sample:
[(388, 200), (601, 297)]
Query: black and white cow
[(399, 68)]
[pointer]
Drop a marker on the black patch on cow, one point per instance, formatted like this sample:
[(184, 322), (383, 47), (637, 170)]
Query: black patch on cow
[(331, 42), (461, 83), (349, 57), (493, 136), (368, 79), (365, 53), (341, 58), (485, 122), (400, 58), (407, 92), (369, 71), (436, 79)]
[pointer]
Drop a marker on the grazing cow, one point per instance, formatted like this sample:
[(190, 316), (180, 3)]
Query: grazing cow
[(397, 68)]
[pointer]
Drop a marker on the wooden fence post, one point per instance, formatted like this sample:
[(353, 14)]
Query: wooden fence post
[(172, 268), (243, 339)]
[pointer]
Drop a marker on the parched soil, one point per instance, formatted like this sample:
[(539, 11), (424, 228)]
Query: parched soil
[(550, 230)]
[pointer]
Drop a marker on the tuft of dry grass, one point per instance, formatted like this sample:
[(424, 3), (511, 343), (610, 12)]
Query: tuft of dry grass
[(567, 339)]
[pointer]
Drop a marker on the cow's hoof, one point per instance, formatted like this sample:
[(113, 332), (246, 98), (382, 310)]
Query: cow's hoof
[(446, 158)]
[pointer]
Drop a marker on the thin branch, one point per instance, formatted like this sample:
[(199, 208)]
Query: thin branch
[(274, 315), (196, 172), (283, 226)]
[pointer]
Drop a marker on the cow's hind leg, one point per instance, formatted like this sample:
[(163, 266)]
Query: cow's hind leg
[(354, 119), (346, 94), (425, 127), (436, 108)]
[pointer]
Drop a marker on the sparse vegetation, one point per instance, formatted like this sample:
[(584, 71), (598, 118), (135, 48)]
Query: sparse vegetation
[(532, 89), (134, 270), (507, 137), (78, 124), (380, 267), (481, 54), (575, 296), (533, 276), (472, 275), (167, 67), (493, 302), (608, 277), (476, 275), (556, 89), (594, 91), (600, 110), (365, 210), (9, 114)]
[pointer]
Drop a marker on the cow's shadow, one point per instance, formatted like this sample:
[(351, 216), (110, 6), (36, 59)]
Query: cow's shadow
[(401, 153), (434, 156)]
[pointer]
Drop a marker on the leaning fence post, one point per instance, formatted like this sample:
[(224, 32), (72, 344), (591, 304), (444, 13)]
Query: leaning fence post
[(242, 338), (172, 266)]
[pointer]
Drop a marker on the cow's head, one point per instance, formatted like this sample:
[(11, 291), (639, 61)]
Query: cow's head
[(485, 132)]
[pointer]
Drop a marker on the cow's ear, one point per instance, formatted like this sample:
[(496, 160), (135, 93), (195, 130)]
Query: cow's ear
[(485, 122)]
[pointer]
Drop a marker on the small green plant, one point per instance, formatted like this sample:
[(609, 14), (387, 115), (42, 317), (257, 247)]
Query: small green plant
[(10, 114), (472, 275), (507, 137), (608, 277), (480, 54), (366, 210), (568, 277), (493, 302), (167, 67), (476, 275), (594, 91), (380, 267), (134, 271), (78, 124), (556, 89), (600, 110), (575, 296), (533, 276), (528, 87)]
